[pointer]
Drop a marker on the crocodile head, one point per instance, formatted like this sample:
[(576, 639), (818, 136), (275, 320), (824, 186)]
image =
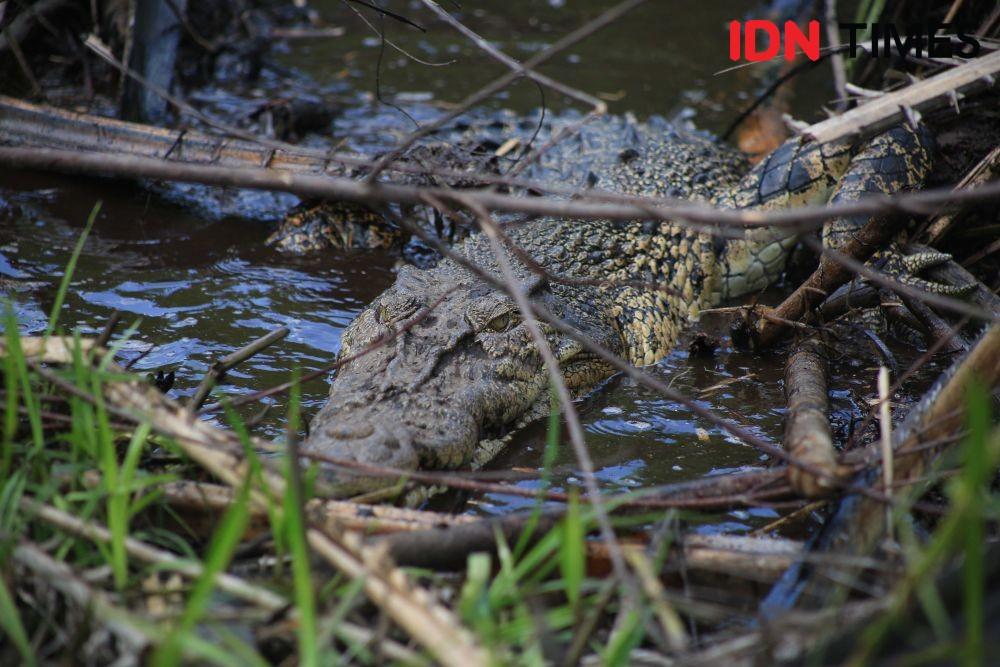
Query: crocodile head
[(461, 369)]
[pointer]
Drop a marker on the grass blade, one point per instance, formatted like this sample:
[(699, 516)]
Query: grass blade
[(68, 273)]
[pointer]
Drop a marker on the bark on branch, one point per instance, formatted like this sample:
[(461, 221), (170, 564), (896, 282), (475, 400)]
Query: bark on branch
[(807, 431)]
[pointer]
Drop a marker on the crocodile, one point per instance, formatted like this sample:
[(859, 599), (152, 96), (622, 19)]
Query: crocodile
[(319, 224), (459, 371)]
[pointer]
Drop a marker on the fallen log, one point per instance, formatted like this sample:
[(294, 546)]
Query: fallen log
[(807, 430), (333, 515), (26, 124), (892, 108)]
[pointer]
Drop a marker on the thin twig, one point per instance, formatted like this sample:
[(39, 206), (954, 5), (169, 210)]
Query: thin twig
[(525, 69), (219, 368), (596, 206)]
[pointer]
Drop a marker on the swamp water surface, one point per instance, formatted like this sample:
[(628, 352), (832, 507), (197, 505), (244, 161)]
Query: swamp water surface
[(200, 281)]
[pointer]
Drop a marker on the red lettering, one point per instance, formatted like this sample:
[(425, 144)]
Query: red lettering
[(734, 40), (773, 40), (795, 39)]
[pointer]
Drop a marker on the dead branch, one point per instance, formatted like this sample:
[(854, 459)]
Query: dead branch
[(935, 326), (848, 297), (219, 367), (134, 638), (19, 28), (517, 70), (590, 205), (334, 515), (235, 586), (807, 430), (986, 170), (575, 428), (448, 546), (763, 331), (887, 110)]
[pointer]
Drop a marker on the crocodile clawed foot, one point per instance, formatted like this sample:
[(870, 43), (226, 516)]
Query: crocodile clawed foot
[(906, 268)]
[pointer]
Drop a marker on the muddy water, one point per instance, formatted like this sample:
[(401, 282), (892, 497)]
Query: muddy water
[(198, 281)]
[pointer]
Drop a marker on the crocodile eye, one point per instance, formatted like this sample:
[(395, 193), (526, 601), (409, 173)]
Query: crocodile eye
[(393, 310), (502, 322)]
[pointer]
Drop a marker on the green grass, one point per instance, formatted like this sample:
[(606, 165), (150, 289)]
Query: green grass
[(295, 525), (526, 604), (70, 268), (960, 533)]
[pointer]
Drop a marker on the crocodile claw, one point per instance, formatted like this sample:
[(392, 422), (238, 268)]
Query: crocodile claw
[(906, 269), (919, 261)]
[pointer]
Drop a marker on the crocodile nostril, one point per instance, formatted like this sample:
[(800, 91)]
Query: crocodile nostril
[(350, 431)]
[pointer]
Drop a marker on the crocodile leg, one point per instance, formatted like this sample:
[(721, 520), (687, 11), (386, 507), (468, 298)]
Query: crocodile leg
[(897, 160)]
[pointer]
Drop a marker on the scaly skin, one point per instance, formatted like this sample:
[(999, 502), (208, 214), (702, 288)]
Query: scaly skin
[(443, 392)]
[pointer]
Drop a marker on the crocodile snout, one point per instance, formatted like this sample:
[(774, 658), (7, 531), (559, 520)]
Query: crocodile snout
[(365, 442), (404, 435)]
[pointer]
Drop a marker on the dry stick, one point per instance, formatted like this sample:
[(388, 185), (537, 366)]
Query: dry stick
[(907, 374), (599, 107), (935, 326), (807, 430), (108, 330), (20, 27), (22, 62), (670, 621), (797, 635), (513, 64), (26, 124), (448, 547), (828, 276), (235, 586), (562, 133), (203, 497), (219, 368), (883, 112), (256, 595), (517, 71), (837, 60), (847, 298), (61, 577), (986, 170), (589, 206), (388, 42), (574, 427), (885, 441), (101, 50), (716, 494)]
